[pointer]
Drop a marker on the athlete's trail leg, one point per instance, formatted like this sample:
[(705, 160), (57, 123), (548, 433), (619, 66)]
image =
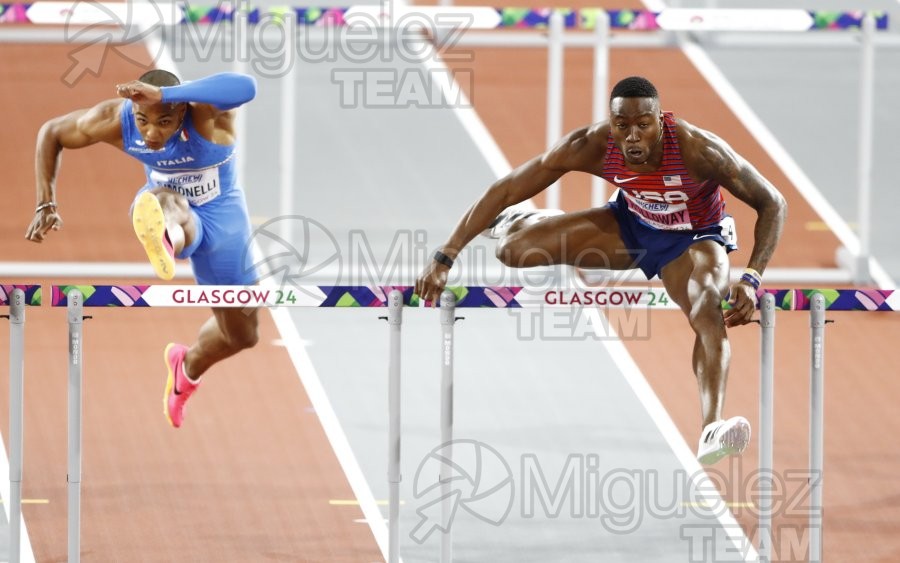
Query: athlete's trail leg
[(697, 281), (226, 333)]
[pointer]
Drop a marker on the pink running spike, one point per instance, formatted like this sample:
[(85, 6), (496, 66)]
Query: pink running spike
[(178, 387)]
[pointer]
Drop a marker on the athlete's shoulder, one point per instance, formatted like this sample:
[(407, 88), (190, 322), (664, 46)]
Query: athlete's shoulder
[(102, 121), (588, 139), (701, 150), (106, 110), (688, 132), (599, 130), (579, 148)]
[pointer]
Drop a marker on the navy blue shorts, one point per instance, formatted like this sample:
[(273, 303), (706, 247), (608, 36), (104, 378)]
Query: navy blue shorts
[(652, 249), (220, 253)]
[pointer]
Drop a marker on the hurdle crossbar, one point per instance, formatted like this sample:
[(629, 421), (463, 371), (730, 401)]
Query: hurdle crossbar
[(499, 297)]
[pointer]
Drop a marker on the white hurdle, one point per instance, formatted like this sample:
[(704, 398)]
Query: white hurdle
[(394, 298)]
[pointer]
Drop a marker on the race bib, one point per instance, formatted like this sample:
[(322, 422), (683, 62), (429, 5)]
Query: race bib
[(198, 186), (729, 232), (660, 214)]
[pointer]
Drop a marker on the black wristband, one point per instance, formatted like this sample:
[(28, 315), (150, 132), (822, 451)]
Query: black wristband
[(442, 258)]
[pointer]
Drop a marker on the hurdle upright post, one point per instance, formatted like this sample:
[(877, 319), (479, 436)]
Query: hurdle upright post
[(16, 398), (601, 86), (555, 61), (76, 320), (816, 424), (766, 422), (287, 141), (395, 320), (241, 65), (861, 271), (448, 319)]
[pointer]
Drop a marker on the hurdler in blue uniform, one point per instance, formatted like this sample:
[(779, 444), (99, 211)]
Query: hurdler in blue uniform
[(203, 172), (190, 206)]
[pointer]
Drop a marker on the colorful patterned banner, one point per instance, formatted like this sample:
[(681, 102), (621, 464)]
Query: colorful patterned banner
[(518, 18), (14, 13), (263, 296), (469, 296), (32, 294), (837, 299), (846, 20)]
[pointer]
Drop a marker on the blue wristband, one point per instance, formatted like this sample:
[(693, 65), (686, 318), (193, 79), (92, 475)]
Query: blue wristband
[(751, 279)]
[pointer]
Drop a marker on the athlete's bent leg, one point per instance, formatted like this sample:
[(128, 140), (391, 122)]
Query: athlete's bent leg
[(588, 239), (225, 334), (228, 332), (697, 281), (180, 225), (165, 227)]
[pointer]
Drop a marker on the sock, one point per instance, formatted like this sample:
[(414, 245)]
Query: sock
[(169, 246)]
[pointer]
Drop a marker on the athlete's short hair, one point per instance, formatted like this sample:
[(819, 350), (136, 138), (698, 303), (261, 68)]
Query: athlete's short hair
[(634, 87), (159, 77)]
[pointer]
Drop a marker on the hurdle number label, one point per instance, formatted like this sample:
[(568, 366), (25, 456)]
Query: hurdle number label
[(282, 297), (660, 300)]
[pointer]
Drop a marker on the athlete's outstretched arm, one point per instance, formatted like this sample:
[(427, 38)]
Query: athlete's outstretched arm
[(224, 91), (75, 130), (742, 179), (573, 152)]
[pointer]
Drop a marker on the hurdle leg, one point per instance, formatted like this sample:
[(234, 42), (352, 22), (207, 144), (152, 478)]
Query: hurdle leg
[(816, 425), (862, 273), (16, 398), (448, 319), (600, 87), (555, 65), (766, 423), (76, 319), (395, 319)]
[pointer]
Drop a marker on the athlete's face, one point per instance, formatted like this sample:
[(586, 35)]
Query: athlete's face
[(158, 122), (636, 126)]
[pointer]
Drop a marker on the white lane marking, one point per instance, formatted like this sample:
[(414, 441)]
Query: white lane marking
[(309, 377)]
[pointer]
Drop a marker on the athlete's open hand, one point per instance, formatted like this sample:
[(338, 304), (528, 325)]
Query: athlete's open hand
[(43, 222), (743, 304), (431, 282), (139, 92)]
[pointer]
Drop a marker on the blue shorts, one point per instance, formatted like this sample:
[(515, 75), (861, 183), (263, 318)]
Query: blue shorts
[(220, 252), (653, 248)]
